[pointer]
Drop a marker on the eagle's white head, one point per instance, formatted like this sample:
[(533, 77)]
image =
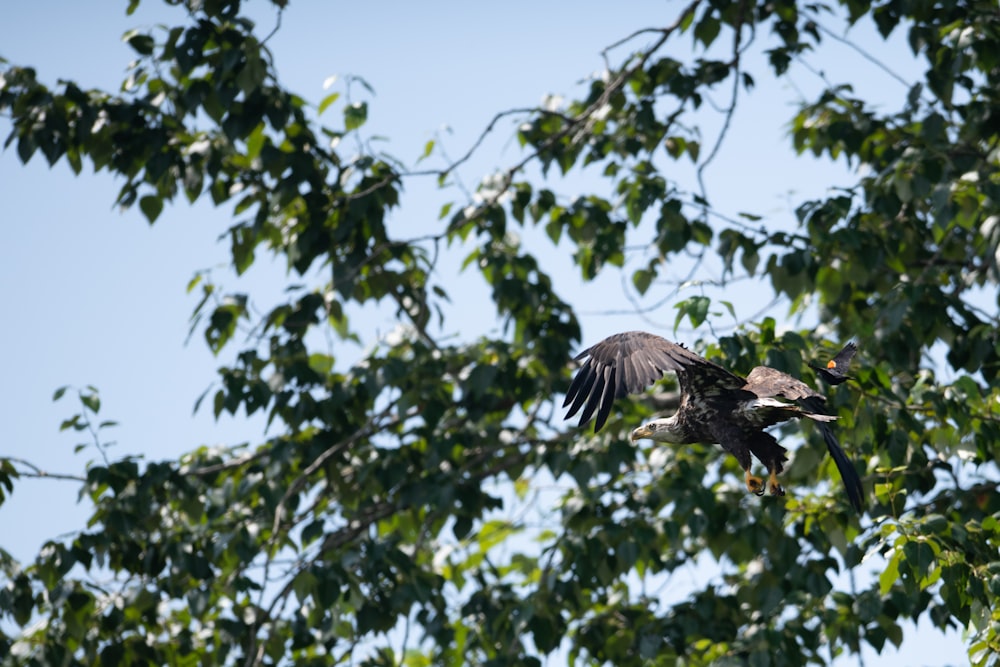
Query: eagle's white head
[(661, 430)]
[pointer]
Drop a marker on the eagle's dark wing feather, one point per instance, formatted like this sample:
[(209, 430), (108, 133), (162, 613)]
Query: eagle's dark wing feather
[(767, 382), (627, 363)]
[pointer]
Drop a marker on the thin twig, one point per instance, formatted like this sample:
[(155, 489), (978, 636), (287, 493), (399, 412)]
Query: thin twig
[(39, 473), (730, 111), (226, 465), (277, 26), (489, 128), (863, 53)]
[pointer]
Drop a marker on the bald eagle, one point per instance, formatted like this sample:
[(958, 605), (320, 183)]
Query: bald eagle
[(836, 369), (716, 406)]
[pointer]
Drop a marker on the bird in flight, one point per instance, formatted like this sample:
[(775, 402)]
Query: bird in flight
[(716, 406), (835, 371)]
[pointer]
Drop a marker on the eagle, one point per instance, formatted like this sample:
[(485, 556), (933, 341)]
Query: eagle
[(835, 371), (716, 405)]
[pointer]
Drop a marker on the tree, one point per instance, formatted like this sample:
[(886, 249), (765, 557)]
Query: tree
[(367, 521)]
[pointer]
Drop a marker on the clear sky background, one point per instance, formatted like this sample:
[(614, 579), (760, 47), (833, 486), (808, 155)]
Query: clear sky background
[(92, 295)]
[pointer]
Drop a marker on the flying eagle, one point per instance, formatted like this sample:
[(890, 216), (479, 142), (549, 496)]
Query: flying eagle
[(716, 406), (836, 369)]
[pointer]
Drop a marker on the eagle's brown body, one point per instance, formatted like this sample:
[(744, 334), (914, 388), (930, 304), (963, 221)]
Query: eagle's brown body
[(716, 406)]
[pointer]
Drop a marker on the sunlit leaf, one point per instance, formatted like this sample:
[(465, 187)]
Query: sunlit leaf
[(355, 115)]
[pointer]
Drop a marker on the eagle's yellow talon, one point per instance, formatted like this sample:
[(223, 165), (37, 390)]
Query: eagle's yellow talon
[(776, 489), (755, 485)]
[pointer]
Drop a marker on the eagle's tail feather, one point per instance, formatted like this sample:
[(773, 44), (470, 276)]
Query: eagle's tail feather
[(852, 483)]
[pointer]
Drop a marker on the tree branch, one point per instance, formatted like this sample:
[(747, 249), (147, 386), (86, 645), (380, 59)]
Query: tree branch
[(38, 473)]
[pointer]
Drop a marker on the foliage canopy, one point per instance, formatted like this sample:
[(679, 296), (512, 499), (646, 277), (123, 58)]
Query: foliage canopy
[(368, 524)]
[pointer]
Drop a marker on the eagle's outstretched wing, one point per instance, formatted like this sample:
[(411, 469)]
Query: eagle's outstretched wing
[(627, 363)]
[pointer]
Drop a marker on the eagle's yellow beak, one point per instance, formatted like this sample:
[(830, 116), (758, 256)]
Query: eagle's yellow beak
[(642, 432)]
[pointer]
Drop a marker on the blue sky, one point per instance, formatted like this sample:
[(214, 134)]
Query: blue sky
[(96, 296)]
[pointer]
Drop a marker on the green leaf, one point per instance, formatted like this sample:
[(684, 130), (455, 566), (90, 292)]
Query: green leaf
[(327, 101), (462, 527), (194, 282), (554, 231), (428, 149), (686, 20), (321, 363), (642, 279), (445, 210), (151, 206), (364, 84), (675, 146), (218, 403), (255, 142), (707, 30), (890, 575), (25, 147), (92, 401), (313, 531), (73, 422), (694, 150), (142, 44), (695, 308), (355, 115)]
